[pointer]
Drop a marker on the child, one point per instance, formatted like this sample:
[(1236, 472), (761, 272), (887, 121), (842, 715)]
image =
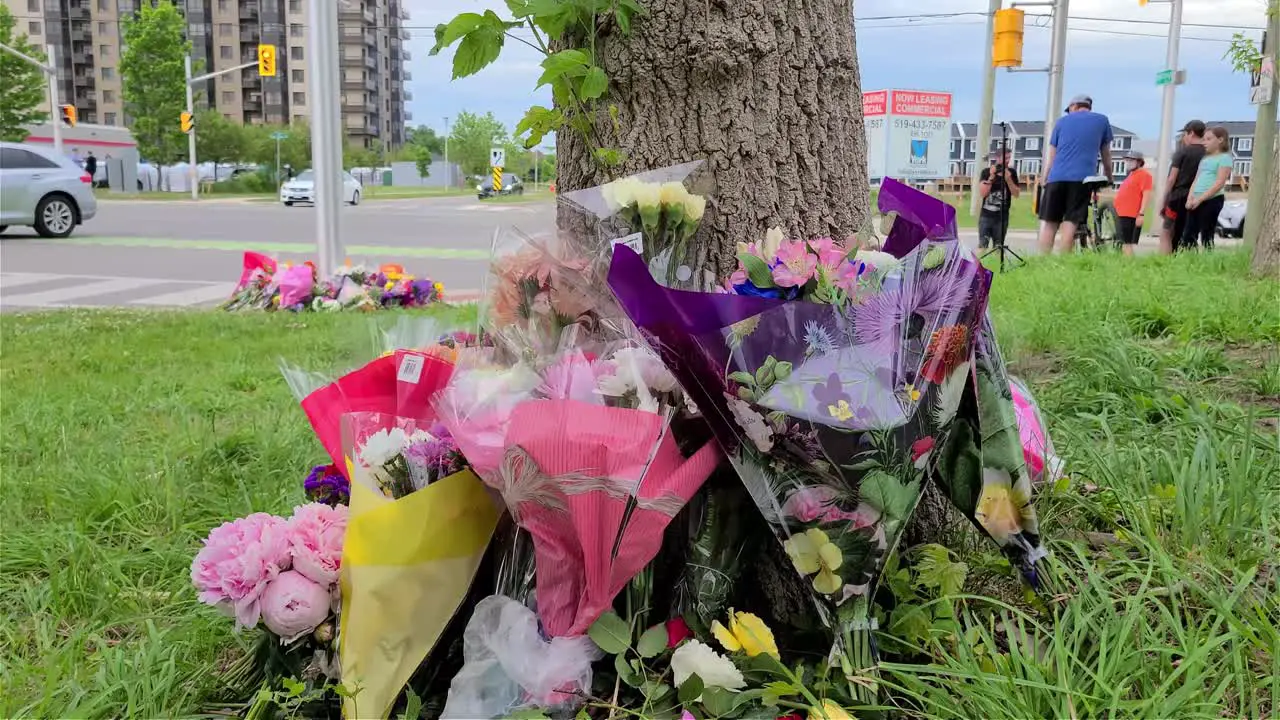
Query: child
[(1207, 193), (1131, 202)]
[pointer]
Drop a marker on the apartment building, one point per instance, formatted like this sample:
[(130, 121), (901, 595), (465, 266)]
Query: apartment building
[(226, 33)]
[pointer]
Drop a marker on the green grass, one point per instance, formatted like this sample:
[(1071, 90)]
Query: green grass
[(128, 435), (1020, 215)]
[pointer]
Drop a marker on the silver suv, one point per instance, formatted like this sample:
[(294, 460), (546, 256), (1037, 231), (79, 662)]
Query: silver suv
[(44, 191)]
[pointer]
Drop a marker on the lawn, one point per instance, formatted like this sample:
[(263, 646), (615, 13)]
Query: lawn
[(128, 435)]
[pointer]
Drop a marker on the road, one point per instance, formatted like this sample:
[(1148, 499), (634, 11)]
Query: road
[(138, 253)]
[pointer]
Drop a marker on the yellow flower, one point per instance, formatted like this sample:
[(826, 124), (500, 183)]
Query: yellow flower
[(672, 193), (1001, 508), (389, 285), (813, 552), (746, 632), (829, 711), (439, 287), (911, 392), (620, 193), (841, 412), (694, 207)]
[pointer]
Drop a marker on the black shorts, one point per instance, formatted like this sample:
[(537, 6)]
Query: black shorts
[(1127, 230), (1065, 202)]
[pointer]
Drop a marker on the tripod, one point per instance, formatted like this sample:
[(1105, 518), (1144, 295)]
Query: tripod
[(999, 246)]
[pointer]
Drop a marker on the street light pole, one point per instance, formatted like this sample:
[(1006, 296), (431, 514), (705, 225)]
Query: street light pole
[(326, 131), (192, 174), (1166, 111)]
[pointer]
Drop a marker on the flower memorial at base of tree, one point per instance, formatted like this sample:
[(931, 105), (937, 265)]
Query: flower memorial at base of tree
[(266, 284), (537, 520)]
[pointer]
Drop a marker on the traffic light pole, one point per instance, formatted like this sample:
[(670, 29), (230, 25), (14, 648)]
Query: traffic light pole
[(1163, 154), (193, 173), (50, 70), (986, 113), (326, 131)]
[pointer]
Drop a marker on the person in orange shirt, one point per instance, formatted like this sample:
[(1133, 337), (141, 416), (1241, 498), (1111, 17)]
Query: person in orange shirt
[(1131, 201)]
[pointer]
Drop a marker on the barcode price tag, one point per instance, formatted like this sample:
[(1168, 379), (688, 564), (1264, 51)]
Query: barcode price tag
[(635, 241), (410, 368)]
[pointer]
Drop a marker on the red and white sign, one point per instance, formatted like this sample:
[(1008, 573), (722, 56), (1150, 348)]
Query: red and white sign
[(875, 103), (921, 104)]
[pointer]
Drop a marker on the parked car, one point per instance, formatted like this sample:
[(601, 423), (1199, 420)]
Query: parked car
[(511, 185), (302, 189), (1231, 219), (43, 190)]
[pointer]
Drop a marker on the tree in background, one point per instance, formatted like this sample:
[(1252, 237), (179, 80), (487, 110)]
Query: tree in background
[(357, 156), (23, 83), (426, 138), (152, 79), (1246, 56), (295, 148), (472, 137), (422, 159), (219, 140)]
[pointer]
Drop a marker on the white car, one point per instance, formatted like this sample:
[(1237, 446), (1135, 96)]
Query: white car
[(302, 189), (1231, 219), (40, 189)]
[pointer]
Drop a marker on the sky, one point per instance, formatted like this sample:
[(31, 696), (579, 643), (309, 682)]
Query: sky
[(907, 49)]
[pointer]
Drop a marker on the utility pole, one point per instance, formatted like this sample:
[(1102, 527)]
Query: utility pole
[(326, 131), (987, 111), (1057, 59), (50, 70), (1264, 134), (1163, 155), (193, 175), (448, 169)]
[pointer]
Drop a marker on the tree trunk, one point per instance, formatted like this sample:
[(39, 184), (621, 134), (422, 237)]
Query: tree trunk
[(766, 91), (1266, 252)]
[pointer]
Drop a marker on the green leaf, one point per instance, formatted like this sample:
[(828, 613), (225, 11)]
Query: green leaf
[(653, 689), (476, 52), (887, 494), (626, 673), (757, 270), (293, 686), (529, 714), (611, 633), (782, 370), (652, 642), (690, 689), (594, 84), (537, 122), (457, 28), (412, 705), (718, 701), (566, 63), (935, 569)]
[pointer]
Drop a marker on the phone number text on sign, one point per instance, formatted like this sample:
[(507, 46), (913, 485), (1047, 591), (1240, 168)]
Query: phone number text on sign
[(925, 126)]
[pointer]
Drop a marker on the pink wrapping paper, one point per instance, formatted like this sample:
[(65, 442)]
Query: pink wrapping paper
[(296, 284), (1030, 431), (566, 473), (254, 261)]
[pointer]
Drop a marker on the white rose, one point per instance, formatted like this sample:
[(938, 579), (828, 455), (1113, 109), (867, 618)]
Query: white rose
[(383, 446), (619, 193), (695, 206), (672, 193), (715, 669), (648, 195)]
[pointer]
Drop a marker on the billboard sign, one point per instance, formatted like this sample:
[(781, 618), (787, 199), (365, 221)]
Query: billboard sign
[(910, 138), (875, 111)]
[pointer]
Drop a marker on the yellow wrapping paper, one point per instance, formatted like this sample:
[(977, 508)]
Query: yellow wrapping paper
[(406, 565)]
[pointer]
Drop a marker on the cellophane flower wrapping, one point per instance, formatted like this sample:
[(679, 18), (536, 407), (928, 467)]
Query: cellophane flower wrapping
[(657, 213), (832, 378)]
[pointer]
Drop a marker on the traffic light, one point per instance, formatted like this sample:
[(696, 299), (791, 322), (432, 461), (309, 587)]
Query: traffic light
[(267, 60), (188, 122), (1007, 50), (69, 115), (1142, 3)]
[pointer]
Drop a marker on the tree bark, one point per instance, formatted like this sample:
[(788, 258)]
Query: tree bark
[(1266, 252), (766, 91)]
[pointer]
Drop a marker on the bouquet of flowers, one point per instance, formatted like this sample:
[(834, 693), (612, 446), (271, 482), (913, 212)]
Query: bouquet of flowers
[(266, 285)]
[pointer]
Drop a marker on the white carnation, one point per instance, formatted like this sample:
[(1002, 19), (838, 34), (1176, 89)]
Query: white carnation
[(383, 446), (716, 670)]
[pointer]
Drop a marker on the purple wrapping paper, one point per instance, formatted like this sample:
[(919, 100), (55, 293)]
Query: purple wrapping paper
[(920, 217)]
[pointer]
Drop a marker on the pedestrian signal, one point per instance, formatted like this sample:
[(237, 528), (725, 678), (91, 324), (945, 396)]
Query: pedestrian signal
[(69, 115), (1007, 49), (267, 60), (188, 122)]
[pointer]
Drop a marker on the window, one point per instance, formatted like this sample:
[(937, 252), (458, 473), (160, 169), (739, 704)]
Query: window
[(1029, 166), (104, 51), (102, 28), (1117, 143), (228, 96), (954, 145), (1243, 168), (297, 76), (108, 96), (224, 52), (1033, 143), (104, 5), (224, 29), (33, 5), (108, 73), (295, 52), (295, 30), (299, 98), (295, 6), (1117, 167), (222, 4), (1244, 144), (109, 118), (972, 146), (19, 159), (33, 29)]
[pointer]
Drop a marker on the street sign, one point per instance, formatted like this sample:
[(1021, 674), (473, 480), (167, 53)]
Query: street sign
[(1164, 77), (1262, 84), (497, 178), (279, 135), (498, 157)]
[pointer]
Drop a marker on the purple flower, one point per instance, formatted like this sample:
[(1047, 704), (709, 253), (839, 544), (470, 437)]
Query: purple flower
[(831, 392), (327, 485), (945, 291)]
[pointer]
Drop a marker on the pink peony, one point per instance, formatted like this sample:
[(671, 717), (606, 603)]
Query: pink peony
[(795, 264), (316, 532), (237, 561), (293, 605)]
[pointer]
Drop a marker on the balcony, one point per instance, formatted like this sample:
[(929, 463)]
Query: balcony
[(349, 59), (408, 116), (86, 102), (249, 11), (81, 34), (251, 81), (407, 75), (250, 35), (86, 82), (253, 102), (350, 12), (405, 34), (408, 95), (82, 57), (371, 62), (407, 55)]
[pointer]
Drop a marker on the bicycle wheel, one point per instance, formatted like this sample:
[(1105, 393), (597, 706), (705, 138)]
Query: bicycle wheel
[(1105, 226)]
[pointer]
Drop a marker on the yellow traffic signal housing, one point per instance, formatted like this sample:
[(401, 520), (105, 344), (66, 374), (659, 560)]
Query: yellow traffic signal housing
[(1007, 51), (267, 60), (69, 115), (188, 122)]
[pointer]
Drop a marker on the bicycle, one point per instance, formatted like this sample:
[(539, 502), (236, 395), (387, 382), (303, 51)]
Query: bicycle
[(1099, 228)]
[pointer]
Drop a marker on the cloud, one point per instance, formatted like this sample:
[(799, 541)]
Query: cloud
[(928, 53)]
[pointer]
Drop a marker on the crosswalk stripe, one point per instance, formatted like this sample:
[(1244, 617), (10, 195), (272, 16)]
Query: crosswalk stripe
[(206, 295), (78, 292), (18, 280)]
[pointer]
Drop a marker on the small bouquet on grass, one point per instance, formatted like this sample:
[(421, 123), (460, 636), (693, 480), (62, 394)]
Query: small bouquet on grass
[(266, 285)]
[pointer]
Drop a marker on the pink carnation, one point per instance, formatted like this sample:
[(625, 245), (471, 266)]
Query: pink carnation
[(237, 561), (316, 532), (293, 605)]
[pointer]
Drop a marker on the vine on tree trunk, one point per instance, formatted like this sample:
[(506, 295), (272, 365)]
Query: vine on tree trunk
[(565, 32)]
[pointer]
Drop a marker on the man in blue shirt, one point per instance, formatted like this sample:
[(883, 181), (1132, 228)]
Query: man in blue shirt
[(1079, 139)]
